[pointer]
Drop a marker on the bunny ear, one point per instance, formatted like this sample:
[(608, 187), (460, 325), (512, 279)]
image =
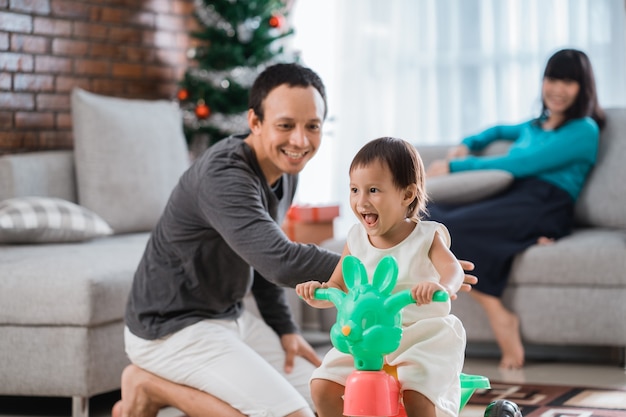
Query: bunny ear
[(354, 273), (386, 274)]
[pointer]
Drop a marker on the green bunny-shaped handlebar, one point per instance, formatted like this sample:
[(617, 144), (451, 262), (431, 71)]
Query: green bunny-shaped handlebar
[(369, 317)]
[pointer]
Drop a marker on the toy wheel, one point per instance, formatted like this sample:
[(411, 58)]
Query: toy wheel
[(502, 408)]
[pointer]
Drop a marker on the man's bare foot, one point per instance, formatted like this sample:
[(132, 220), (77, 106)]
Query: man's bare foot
[(136, 401), (506, 330), (116, 411)]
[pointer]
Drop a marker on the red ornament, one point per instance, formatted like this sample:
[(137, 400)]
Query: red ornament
[(182, 94), (202, 110), (277, 20)]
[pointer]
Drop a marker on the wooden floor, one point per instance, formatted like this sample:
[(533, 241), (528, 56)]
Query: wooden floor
[(600, 368)]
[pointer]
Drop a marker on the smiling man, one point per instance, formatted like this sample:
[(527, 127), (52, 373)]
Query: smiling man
[(191, 341)]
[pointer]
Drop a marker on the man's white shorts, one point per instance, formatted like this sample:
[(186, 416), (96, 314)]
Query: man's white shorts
[(239, 361)]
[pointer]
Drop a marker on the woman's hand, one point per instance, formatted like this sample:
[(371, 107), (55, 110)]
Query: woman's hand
[(438, 167), (459, 151)]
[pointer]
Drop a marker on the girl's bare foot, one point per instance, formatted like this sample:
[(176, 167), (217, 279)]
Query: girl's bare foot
[(506, 330)]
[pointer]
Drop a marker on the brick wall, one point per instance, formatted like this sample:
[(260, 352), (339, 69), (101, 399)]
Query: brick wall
[(123, 48)]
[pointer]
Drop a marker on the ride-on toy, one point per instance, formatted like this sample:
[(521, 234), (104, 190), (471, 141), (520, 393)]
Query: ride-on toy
[(368, 327)]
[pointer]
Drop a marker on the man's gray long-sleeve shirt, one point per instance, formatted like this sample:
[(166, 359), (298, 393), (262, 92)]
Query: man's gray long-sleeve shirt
[(219, 237)]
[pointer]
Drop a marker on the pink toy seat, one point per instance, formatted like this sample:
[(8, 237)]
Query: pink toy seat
[(371, 393)]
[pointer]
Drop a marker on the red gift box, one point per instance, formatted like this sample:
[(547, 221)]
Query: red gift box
[(310, 224), (312, 214)]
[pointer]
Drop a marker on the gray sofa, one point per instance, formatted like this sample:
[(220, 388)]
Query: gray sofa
[(62, 304), (63, 294), (571, 293)]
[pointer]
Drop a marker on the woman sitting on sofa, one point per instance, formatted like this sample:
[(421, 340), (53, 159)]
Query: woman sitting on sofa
[(550, 159)]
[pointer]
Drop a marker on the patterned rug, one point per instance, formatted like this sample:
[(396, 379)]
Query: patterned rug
[(551, 401)]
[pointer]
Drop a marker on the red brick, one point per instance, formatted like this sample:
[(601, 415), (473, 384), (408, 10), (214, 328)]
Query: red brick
[(29, 43), (125, 35), (107, 86), (5, 81), (90, 30), (34, 6), (139, 54), (6, 119), (66, 84), (17, 101), (13, 141), (70, 9), (53, 101), (24, 120), (51, 64), (16, 62), (110, 15), (13, 22), (182, 7), (32, 82), (128, 70), (4, 41), (143, 89), (107, 50), (55, 139), (4, 4), (69, 47), (64, 120), (56, 27), (159, 72), (92, 67)]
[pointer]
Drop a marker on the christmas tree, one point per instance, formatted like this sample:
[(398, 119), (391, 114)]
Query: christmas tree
[(237, 42)]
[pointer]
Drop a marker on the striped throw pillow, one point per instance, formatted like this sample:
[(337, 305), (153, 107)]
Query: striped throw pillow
[(48, 220)]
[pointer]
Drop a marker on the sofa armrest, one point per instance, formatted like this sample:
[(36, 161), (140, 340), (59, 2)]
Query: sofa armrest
[(44, 174)]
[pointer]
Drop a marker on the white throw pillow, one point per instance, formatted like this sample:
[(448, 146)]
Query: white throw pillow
[(48, 220), (467, 186), (129, 155)]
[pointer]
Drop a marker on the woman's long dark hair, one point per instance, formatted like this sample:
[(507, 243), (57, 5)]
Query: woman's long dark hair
[(572, 64)]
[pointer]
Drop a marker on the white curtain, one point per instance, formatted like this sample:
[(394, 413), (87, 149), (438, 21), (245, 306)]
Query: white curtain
[(433, 71)]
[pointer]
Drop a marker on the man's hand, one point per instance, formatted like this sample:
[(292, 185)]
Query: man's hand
[(468, 279), (295, 345)]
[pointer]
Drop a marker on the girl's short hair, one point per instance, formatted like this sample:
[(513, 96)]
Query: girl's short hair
[(403, 161)]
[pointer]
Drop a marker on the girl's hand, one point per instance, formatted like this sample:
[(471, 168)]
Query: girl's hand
[(423, 292), (306, 290)]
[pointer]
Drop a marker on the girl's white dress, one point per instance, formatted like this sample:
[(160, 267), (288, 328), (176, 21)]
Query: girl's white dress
[(431, 353)]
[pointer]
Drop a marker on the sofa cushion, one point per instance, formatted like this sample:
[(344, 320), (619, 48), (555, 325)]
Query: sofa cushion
[(129, 155), (467, 186), (603, 199), (47, 220), (586, 258), (45, 173), (39, 281)]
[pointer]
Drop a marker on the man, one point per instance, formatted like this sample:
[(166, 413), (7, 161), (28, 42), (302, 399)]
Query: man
[(192, 344)]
